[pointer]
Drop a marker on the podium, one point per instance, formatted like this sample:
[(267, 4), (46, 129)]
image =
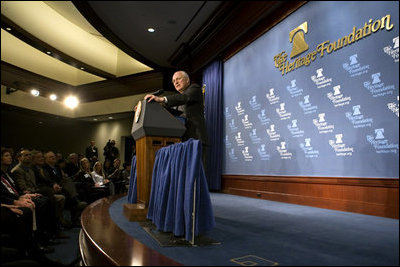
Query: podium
[(153, 128)]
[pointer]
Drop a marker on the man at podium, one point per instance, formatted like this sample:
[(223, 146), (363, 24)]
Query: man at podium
[(189, 98)]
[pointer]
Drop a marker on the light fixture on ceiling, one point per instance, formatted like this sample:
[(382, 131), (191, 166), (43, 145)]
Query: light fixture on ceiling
[(8, 29), (82, 68), (110, 117), (71, 102), (53, 97), (35, 92), (48, 52), (150, 30), (95, 119)]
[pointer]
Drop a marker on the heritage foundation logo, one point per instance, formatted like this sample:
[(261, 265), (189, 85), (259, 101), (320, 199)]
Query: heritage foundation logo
[(337, 97), (322, 125), (283, 114), (282, 63), (273, 135), (294, 129), (357, 119), (263, 118), (377, 87), (283, 151), (239, 140), (228, 115), (239, 109), (339, 147), (380, 143), (246, 154), (393, 51), (272, 98), (308, 150), (307, 107), (253, 103), (263, 153), (293, 89), (320, 80), (393, 106), (246, 123), (354, 68), (232, 155), (253, 136)]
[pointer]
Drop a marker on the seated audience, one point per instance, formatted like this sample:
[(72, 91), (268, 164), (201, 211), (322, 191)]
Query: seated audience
[(87, 188), (46, 184), (68, 187)]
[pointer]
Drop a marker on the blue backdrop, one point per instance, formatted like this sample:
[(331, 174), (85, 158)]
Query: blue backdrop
[(336, 115)]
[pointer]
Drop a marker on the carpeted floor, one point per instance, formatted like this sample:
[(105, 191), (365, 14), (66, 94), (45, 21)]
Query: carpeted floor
[(261, 232)]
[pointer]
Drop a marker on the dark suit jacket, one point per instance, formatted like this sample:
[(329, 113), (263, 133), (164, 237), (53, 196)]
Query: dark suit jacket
[(90, 152), (193, 109)]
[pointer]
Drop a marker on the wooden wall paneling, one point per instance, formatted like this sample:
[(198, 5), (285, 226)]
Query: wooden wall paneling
[(372, 196)]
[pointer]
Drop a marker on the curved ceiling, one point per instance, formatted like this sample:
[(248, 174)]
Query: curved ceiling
[(86, 47)]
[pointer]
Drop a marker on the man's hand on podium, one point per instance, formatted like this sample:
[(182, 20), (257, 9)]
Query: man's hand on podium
[(158, 99)]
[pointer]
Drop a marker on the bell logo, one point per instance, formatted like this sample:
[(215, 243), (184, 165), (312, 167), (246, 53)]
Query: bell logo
[(296, 37)]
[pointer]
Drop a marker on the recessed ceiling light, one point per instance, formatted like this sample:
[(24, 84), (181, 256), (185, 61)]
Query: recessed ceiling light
[(150, 30), (35, 92), (53, 97), (8, 29), (110, 117), (82, 68), (48, 52), (71, 102), (95, 119)]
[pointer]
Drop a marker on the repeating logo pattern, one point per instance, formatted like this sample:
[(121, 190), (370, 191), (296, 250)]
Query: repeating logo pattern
[(307, 120)]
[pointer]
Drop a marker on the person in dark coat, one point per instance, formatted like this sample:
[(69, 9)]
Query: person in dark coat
[(189, 97)]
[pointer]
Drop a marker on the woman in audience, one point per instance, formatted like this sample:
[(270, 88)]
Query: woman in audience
[(99, 178)]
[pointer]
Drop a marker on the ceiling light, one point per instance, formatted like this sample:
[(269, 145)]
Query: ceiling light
[(35, 92), (95, 119), (53, 97), (82, 68), (71, 102), (48, 52), (150, 30), (110, 117), (8, 29)]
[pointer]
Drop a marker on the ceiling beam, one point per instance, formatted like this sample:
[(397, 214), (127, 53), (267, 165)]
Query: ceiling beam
[(30, 39)]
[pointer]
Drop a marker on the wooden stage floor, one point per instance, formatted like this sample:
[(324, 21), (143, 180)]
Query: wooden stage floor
[(102, 242)]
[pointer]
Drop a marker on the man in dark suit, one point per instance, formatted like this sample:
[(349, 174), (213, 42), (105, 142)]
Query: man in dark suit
[(190, 99), (92, 153)]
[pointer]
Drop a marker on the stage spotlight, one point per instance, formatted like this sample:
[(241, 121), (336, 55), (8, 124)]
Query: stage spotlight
[(35, 92)]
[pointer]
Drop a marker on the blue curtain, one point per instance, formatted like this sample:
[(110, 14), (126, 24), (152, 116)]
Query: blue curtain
[(212, 79), (177, 168), (132, 190)]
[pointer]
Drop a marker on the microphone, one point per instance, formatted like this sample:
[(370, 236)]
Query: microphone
[(159, 92)]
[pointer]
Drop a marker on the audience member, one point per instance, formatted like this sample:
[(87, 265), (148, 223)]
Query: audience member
[(108, 167), (91, 152), (116, 177), (68, 187), (100, 180), (126, 174), (72, 165), (48, 186), (25, 184), (87, 189)]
